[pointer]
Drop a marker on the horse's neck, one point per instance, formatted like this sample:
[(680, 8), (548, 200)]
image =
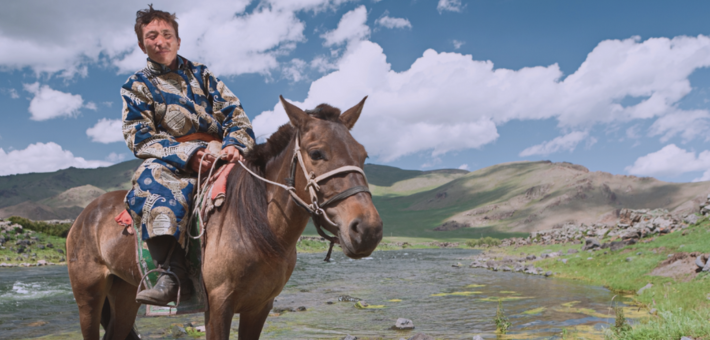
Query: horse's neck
[(286, 219)]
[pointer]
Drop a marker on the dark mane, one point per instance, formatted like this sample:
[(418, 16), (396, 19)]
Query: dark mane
[(246, 195)]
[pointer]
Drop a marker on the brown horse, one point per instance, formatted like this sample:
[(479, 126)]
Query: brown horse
[(250, 242)]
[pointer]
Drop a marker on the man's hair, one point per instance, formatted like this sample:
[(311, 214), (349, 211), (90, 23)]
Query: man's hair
[(146, 16)]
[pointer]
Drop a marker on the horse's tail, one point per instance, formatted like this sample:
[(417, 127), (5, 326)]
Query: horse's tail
[(106, 320)]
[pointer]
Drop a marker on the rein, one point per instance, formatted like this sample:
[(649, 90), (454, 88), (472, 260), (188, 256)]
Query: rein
[(312, 186), (315, 209)]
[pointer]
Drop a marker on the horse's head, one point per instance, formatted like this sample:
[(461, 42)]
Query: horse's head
[(327, 145)]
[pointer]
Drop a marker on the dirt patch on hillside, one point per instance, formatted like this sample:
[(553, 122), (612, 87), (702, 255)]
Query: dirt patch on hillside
[(680, 266)]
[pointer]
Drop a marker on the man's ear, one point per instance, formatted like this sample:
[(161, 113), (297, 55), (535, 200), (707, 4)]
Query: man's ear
[(178, 46), (140, 44), (297, 117), (350, 116)]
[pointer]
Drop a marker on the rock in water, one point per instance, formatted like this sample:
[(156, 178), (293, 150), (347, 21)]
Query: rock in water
[(403, 323), (350, 337), (421, 336), (477, 337), (178, 331)]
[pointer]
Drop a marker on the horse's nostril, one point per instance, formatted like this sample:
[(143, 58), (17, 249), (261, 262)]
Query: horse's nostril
[(354, 224)]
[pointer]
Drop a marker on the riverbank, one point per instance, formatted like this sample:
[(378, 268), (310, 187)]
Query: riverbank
[(659, 272), (21, 247)]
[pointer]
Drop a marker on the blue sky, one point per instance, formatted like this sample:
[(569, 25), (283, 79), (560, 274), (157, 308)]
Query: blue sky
[(615, 86)]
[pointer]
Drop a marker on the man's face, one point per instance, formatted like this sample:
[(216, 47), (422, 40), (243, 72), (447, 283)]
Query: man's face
[(160, 42)]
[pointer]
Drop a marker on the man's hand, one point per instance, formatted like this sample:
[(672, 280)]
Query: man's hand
[(231, 154), (196, 159)]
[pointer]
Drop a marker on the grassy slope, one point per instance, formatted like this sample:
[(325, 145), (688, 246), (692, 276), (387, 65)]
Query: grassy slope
[(683, 307), (15, 189)]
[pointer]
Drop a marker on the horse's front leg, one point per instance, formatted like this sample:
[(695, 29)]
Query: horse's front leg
[(251, 324), (218, 319)]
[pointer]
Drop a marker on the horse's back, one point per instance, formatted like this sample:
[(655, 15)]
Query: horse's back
[(96, 241)]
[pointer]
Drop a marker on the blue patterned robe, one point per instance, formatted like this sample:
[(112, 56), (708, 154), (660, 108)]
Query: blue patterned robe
[(159, 106)]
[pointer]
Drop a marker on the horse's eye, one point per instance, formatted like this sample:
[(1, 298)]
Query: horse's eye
[(315, 155)]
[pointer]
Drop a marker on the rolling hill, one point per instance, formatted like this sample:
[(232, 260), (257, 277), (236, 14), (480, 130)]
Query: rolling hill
[(439, 204)]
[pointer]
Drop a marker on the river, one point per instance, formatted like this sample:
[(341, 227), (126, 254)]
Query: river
[(409, 283)]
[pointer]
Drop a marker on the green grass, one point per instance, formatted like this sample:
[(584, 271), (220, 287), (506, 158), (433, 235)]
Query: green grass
[(682, 306), (49, 254)]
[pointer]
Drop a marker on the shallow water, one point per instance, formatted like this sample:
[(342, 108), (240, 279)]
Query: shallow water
[(36, 302)]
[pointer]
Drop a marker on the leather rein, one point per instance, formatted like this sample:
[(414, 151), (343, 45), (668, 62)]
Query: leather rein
[(315, 208)]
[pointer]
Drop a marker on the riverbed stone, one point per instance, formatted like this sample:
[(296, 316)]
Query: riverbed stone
[(177, 330), (421, 336), (349, 337), (403, 323), (477, 337)]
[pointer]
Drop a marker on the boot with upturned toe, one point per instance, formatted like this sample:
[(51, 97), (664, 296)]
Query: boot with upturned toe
[(166, 289)]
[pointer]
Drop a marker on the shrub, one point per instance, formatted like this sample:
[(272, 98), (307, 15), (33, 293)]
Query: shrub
[(487, 241), (60, 230)]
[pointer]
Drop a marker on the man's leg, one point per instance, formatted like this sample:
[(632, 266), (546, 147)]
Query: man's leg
[(168, 254)]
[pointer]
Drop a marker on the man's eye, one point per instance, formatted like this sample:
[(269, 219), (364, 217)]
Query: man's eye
[(315, 155)]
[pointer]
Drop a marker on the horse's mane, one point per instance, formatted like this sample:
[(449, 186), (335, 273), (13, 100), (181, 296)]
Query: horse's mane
[(246, 195)]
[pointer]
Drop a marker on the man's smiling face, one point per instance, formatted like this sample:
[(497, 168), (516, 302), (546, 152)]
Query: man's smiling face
[(160, 42)]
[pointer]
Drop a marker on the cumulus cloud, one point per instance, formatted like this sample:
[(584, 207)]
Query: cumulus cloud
[(54, 40), (390, 22), (671, 161), (563, 143), (295, 70), (449, 5), (449, 101), (458, 44), (351, 28), (106, 131), (48, 103), (463, 167), (41, 157)]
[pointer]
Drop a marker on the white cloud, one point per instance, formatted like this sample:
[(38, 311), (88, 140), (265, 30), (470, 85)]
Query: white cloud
[(448, 101), (116, 158), (107, 104), (563, 143), (458, 44), (463, 167), (351, 28), (10, 92), (449, 5), (106, 131), (49, 103), (671, 161), (294, 71), (687, 124), (390, 22), (53, 38), (41, 157)]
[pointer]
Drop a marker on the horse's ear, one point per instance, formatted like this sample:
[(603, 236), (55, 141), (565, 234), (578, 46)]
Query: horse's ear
[(295, 115), (350, 116)]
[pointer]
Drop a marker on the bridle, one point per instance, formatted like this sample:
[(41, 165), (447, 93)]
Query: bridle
[(316, 209)]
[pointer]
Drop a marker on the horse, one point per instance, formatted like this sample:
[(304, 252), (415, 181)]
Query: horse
[(250, 241)]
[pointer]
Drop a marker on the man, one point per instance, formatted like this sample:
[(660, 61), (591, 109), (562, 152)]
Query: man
[(171, 110)]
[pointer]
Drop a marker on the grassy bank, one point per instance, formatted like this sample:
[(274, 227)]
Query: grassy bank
[(681, 303), (32, 253)]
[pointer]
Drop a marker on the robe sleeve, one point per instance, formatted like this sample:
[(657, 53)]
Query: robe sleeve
[(139, 128), (235, 123)]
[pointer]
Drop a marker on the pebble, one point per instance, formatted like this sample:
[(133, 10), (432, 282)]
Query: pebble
[(477, 337), (629, 259), (564, 261), (349, 337)]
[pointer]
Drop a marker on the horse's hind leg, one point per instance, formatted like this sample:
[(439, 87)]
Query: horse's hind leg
[(123, 310)]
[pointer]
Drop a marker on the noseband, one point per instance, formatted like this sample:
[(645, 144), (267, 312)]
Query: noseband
[(314, 208)]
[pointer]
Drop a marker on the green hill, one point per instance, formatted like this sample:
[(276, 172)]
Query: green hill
[(446, 204)]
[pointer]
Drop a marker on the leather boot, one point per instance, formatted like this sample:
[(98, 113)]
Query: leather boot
[(166, 288)]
